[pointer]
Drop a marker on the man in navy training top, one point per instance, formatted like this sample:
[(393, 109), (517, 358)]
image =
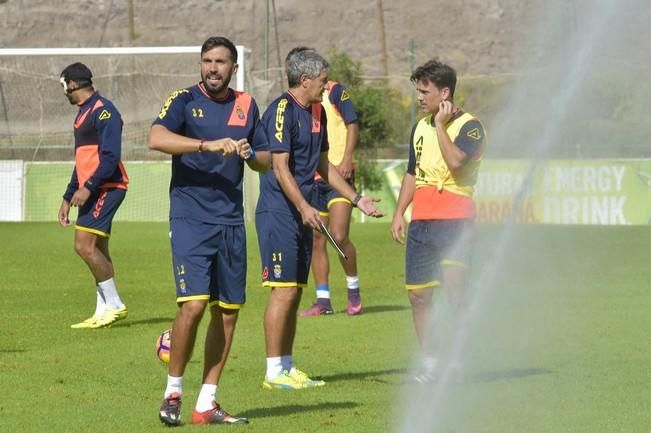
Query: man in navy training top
[(97, 187), (209, 129), (296, 128)]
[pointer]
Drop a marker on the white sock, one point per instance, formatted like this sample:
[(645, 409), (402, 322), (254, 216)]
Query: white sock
[(100, 304), (111, 293), (352, 282), (174, 384), (274, 367), (323, 291), (287, 362), (430, 363), (207, 395)]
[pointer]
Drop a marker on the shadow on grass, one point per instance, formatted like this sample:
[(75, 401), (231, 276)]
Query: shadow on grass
[(363, 375), (514, 373), (12, 351), (293, 409), (384, 308), (129, 323)]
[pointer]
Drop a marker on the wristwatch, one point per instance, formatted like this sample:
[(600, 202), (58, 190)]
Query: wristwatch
[(356, 200)]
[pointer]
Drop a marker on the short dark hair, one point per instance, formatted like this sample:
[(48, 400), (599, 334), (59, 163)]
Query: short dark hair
[(220, 41), (79, 73), (437, 73)]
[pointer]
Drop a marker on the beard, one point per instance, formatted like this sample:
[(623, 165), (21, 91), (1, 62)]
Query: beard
[(218, 87)]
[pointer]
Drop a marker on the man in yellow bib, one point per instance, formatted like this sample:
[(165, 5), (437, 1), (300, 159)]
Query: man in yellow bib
[(444, 155), (335, 209)]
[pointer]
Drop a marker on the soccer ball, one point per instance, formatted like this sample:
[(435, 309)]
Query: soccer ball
[(164, 345)]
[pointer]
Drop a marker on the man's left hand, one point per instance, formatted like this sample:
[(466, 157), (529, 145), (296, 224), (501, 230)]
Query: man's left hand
[(367, 205), (245, 149)]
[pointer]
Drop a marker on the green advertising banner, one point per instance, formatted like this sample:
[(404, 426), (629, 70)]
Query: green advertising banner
[(595, 192), (600, 192)]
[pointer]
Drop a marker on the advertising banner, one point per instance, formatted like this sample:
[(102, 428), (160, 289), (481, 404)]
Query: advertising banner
[(594, 192), (11, 190)]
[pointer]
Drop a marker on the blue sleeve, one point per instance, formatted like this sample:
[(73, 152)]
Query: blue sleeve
[(411, 164), (172, 115), (471, 138), (108, 124), (278, 122), (73, 186), (340, 98), (257, 138)]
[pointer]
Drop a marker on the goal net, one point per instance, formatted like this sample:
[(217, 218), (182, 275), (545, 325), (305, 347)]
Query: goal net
[(36, 123)]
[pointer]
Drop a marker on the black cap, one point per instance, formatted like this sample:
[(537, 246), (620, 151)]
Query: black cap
[(79, 73)]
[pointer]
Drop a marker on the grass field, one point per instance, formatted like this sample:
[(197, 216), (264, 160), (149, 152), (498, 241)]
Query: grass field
[(560, 341)]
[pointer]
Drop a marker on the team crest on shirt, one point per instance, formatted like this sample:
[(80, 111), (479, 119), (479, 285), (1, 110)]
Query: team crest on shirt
[(474, 133), (278, 271), (344, 96), (105, 114), (182, 285), (240, 112)]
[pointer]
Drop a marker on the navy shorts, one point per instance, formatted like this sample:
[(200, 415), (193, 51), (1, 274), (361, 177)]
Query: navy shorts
[(285, 249), (432, 243), (209, 262), (96, 216), (325, 196)]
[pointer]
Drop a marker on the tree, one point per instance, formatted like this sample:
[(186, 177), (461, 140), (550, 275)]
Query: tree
[(380, 113)]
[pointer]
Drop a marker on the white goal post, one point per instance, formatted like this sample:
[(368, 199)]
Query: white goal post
[(36, 122)]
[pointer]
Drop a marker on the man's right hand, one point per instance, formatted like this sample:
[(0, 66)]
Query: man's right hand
[(310, 217), (64, 211), (345, 168), (398, 229)]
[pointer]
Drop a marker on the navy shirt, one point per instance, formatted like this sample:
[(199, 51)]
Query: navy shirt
[(301, 132), (98, 142), (340, 98), (207, 186)]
